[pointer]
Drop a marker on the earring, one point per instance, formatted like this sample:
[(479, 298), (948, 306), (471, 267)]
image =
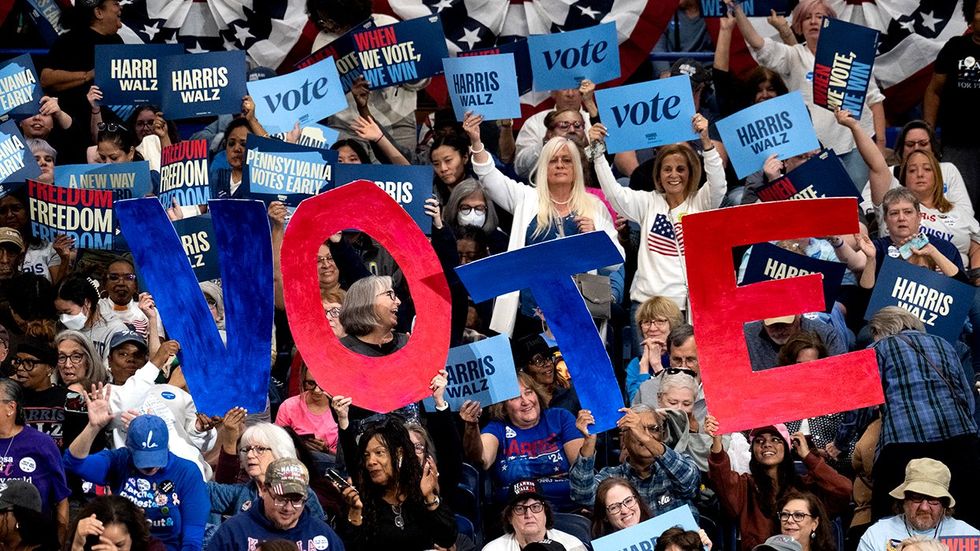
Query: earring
[(813, 535)]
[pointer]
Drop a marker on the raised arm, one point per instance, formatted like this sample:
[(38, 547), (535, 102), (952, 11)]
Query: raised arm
[(480, 449), (880, 177), (367, 129), (931, 100), (752, 38), (723, 46)]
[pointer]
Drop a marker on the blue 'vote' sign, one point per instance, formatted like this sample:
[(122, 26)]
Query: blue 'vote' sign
[(562, 60)]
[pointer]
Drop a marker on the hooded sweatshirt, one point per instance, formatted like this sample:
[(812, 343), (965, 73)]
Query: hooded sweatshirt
[(246, 530)]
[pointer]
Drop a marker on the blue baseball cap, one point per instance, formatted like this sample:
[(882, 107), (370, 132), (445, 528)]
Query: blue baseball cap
[(148, 441)]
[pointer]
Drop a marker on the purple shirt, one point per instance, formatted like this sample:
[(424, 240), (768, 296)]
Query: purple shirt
[(33, 456)]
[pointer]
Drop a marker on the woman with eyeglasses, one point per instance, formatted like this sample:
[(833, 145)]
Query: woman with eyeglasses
[(28, 454), (676, 175), (528, 518), (394, 502), (617, 506), (369, 316), (656, 317), (251, 454), (468, 205), (752, 498), (557, 206), (78, 360), (77, 301), (308, 414), (802, 516), (524, 440), (33, 364)]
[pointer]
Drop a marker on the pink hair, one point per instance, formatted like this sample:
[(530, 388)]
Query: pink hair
[(805, 8)]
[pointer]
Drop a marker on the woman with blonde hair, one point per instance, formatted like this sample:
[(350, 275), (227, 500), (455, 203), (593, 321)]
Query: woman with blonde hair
[(655, 318), (557, 206)]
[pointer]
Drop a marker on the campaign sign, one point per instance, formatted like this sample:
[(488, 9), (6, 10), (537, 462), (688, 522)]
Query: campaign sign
[(82, 214), (280, 171), (344, 52), (408, 185), (129, 74), (767, 261), (842, 67), (402, 52), (184, 174), (46, 15), (17, 163), (961, 543), (317, 136), (305, 96), (20, 93), (752, 8), (522, 61), (125, 180), (196, 85), (643, 536), (823, 175), (780, 125), (563, 60), (484, 85), (941, 302), (647, 114), (481, 371), (197, 237)]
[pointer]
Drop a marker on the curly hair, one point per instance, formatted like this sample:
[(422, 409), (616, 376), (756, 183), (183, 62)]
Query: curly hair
[(823, 536), (114, 510), (406, 471)]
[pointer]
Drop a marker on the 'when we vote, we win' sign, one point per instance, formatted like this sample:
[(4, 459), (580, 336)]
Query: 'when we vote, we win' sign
[(402, 52)]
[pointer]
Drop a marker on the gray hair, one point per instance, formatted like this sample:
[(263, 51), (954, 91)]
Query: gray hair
[(357, 314), (270, 435), (38, 145), (641, 408), (921, 543), (11, 391), (678, 380), (467, 187), (679, 335), (897, 195), (892, 320), (95, 371)]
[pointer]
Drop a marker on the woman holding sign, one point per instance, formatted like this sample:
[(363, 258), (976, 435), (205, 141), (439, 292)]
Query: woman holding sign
[(676, 173), (795, 65), (557, 206)]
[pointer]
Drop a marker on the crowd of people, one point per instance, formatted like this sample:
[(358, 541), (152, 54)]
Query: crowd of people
[(105, 449)]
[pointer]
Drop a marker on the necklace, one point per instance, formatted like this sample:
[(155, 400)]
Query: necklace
[(399, 520), (935, 534), (3, 460), (562, 203)]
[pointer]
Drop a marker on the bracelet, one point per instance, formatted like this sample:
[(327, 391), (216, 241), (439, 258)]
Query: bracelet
[(838, 244), (502, 124), (379, 139), (475, 151)]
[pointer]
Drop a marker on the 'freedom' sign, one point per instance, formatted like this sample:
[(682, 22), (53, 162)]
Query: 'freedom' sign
[(184, 174), (305, 96), (941, 302), (842, 66), (780, 125), (485, 85), (563, 60), (648, 114), (20, 94), (481, 371), (82, 214), (402, 52), (129, 74)]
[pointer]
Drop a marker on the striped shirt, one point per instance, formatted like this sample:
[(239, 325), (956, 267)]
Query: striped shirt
[(927, 395)]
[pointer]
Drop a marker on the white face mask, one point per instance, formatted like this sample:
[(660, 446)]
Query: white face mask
[(472, 219), (74, 321)]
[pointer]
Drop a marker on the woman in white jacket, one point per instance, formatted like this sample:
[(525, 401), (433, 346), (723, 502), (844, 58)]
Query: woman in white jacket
[(676, 175), (557, 206)]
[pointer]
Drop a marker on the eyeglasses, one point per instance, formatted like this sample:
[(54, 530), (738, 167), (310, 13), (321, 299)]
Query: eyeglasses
[(118, 277), (324, 260), (615, 508), (797, 516), (281, 501), (917, 499), (75, 358), (535, 508), (390, 293), (309, 384), (688, 361), (565, 125), (466, 209), (920, 143), (676, 370), (111, 127), (28, 364), (145, 124), (333, 313), (540, 361), (259, 450), (661, 322)]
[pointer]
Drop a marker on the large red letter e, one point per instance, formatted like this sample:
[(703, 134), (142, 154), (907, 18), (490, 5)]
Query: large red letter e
[(739, 397)]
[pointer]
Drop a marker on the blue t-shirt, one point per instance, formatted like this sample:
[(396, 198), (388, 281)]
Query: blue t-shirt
[(568, 227), (884, 248), (536, 453), (174, 500)]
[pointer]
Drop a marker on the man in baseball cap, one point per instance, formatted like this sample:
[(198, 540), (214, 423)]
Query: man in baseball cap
[(925, 501), (11, 252), (280, 514)]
